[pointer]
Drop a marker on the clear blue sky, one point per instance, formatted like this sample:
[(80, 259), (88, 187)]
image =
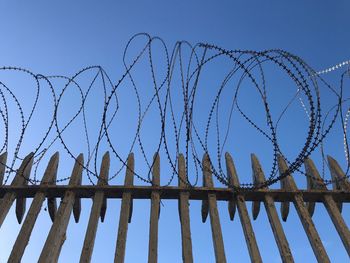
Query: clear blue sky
[(62, 37)]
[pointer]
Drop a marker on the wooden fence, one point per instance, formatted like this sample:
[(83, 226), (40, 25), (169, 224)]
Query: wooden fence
[(71, 194)]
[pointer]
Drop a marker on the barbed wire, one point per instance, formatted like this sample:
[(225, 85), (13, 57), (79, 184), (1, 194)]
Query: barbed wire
[(174, 104)]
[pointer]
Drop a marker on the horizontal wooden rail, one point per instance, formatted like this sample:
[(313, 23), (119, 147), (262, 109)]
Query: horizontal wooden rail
[(172, 192)]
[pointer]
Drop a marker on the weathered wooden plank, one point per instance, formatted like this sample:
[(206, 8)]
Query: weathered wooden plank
[(338, 174), (205, 206), (20, 208), (213, 212), (57, 234), (255, 209), (330, 205), (104, 203), (21, 201), (232, 201), (33, 212), (97, 202), (205, 210), (284, 205), (155, 201), (186, 240), (19, 180), (103, 209), (335, 170), (258, 178), (57, 253), (173, 192), (231, 206), (277, 229), (3, 159), (304, 215), (103, 181), (124, 212), (243, 213), (51, 202), (310, 205), (77, 205)]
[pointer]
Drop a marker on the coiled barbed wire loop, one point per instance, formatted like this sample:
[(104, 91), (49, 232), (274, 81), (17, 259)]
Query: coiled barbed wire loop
[(173, 100)]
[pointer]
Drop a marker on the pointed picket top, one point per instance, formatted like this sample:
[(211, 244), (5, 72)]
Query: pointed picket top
[(3, 159), (50, 174), (24, 173), (76, 180), (129, 176), (156, 170), (104, 170), (333, 167), (182, 171), (257, 170), (24, 168), (49, 178), (311, 171), (258, 179), (314, 181), (338, 176), (208, 180), (103, 180), (284, 186), (232, 182), (231, 170), (77, 170)]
